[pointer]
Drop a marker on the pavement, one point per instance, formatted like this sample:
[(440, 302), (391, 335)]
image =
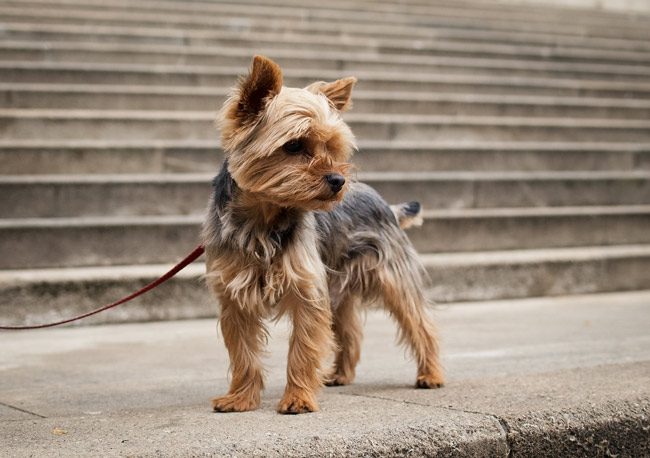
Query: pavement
[(566, 376)]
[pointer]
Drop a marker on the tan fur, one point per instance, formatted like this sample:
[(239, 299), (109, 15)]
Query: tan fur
[(262, 250), (348, 333)]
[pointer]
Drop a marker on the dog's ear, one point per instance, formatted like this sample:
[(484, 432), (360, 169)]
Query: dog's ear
[(339, 92), (263, 82)]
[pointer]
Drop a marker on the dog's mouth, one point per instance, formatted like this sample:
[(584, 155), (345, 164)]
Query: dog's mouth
[(328, 200), (332, 196)]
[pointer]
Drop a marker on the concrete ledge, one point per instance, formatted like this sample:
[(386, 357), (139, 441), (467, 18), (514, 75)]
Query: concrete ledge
[(541, 377)]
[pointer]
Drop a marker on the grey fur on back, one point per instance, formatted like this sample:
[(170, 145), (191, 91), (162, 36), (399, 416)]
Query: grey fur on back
[(359, 240)]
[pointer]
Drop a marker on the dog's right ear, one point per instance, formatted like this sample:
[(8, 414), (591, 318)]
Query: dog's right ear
[(262, 84)]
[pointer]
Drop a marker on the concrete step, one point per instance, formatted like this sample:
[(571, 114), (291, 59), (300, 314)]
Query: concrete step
[(523, 376), (363, 12), (105, 125), (85, 241), (216, 77), (119, 97), (50, 196), (282, 18), (303, 59), (39, 295), (315, 42), (113, 156), (421, 40), (567, 357)]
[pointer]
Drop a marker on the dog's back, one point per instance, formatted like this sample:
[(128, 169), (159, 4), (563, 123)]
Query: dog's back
[(361, 234)]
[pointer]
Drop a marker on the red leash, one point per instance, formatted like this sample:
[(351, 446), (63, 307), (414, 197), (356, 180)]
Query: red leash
[(198, 251)]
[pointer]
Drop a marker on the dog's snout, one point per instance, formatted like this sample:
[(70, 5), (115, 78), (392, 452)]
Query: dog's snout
[(335, 181)]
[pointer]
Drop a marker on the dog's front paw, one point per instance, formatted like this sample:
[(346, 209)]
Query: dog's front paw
[(296, 402), (429, 381), (235, 403)]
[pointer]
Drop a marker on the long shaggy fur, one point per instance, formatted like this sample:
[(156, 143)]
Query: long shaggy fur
[(285, 238)]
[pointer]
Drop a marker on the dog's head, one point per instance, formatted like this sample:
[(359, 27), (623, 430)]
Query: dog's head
[(288, 146)]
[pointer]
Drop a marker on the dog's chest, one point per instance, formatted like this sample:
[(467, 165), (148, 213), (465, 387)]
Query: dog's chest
[(254, 284)]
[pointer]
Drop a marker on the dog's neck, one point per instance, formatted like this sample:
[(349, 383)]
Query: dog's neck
[(241, 217)]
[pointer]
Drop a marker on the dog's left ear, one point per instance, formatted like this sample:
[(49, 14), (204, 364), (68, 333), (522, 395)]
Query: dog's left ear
[(263, 82), (339, 92)]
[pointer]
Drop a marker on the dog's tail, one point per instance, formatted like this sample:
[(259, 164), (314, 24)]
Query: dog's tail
[(408, 214)]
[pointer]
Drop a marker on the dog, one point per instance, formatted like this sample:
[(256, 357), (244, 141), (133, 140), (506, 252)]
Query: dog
[(288, 233)]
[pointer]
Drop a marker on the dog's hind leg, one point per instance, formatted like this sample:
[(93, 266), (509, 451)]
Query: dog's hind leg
[(400, 281)]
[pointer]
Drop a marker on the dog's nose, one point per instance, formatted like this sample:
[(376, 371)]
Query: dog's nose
[(335, 181)]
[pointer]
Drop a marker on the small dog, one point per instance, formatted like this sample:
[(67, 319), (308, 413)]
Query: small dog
[(287, 233)]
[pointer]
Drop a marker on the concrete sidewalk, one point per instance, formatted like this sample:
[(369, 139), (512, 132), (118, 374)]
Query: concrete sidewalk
[(538, 377)]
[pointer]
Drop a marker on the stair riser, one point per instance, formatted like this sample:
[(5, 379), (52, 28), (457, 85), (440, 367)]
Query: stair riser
[(182, 297), (95, 246), (497, 160), (106, 129), (126, 101), (27, 247), (112, 160), (555, 70), (544, 278), (204, 160), (528, 232), (187, 296), (227, 80), (37, 200)]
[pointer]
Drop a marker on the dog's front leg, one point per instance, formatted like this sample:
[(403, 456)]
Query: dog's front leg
[(310, 343), (244, 334)]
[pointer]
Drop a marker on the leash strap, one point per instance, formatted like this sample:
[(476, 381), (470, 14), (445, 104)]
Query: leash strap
[(198, 251)]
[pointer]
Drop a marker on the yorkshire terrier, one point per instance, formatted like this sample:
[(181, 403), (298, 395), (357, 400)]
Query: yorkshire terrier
[(289, 233)]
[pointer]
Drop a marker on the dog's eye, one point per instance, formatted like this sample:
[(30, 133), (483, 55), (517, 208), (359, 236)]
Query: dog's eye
[(294, 147)]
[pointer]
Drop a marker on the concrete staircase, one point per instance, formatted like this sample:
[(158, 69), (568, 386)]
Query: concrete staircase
[(524, 131)]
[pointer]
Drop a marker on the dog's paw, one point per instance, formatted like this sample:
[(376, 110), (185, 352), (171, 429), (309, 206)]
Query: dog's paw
[(429, 381), (336, 379), (234, 403), (295, 403)]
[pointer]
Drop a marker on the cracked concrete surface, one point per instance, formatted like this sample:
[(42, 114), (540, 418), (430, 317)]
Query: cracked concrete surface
[(541, 377)]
